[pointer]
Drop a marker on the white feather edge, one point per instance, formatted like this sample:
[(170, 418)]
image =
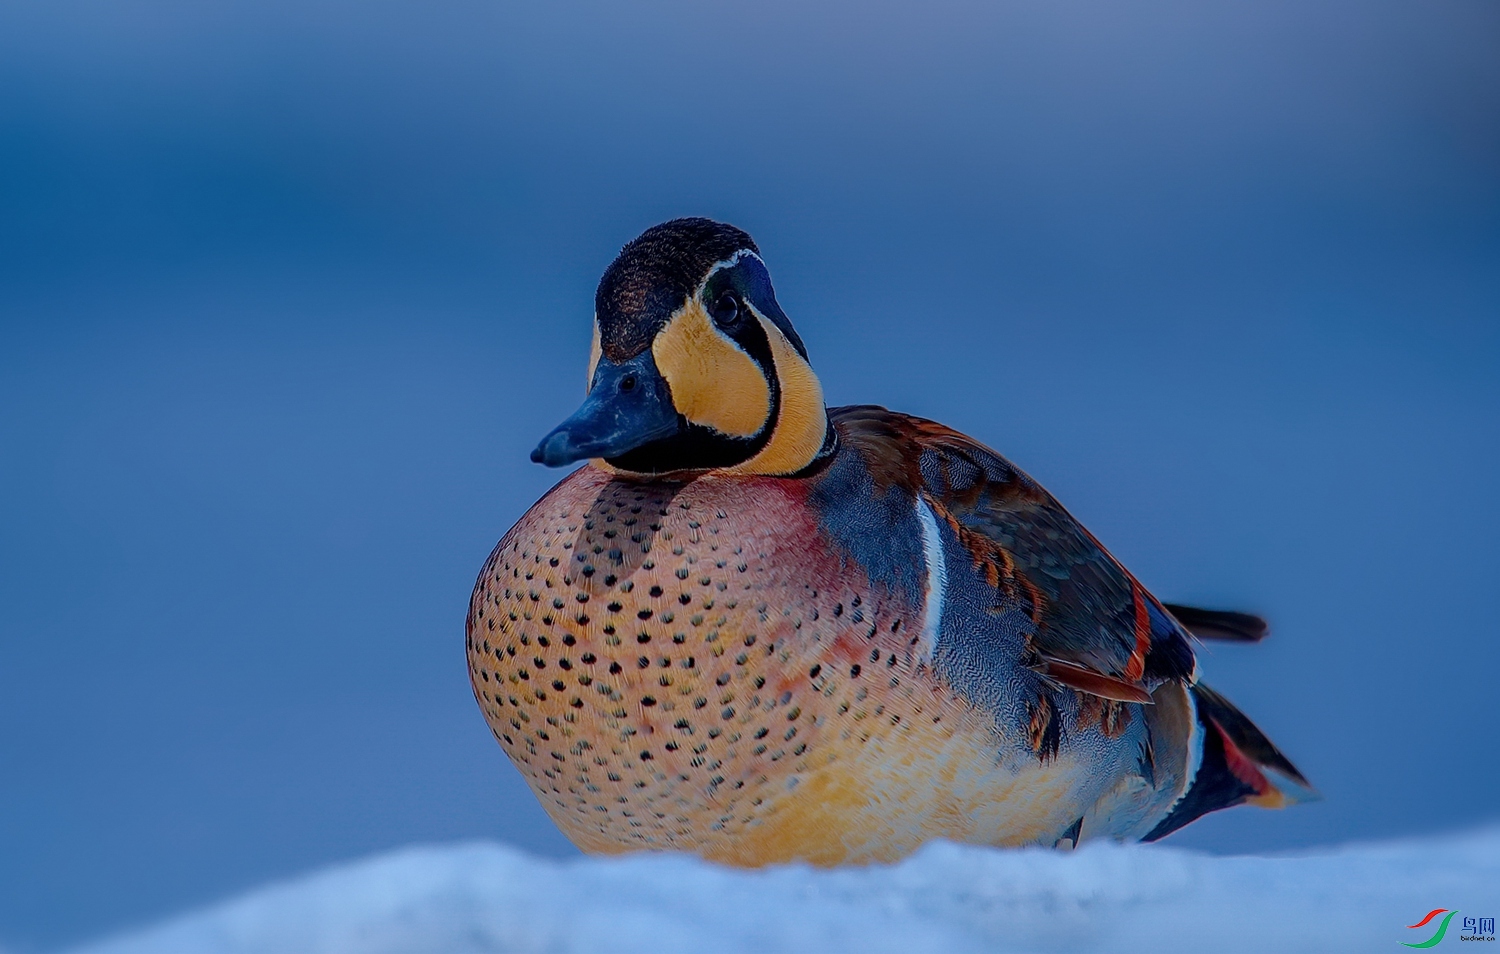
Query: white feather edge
[(937, 578)]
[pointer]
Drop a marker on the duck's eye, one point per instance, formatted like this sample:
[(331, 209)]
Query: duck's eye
[(725, 310), (627, 383)]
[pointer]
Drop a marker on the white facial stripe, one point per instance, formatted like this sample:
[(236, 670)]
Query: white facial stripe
[(595, 352), (937, 578), (729, 262)]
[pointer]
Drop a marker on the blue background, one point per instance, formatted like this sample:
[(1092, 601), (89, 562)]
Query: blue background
[(288, 290)]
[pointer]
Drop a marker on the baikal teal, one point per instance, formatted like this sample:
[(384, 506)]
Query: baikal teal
[(762, 630)]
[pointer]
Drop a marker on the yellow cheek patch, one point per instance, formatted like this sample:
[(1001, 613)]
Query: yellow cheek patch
[(714, 382), (802, 424)]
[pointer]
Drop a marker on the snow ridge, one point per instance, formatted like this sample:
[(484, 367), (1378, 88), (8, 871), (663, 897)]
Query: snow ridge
[(482, 898)]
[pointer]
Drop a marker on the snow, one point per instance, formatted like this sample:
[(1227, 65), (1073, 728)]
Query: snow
[(484, 898)]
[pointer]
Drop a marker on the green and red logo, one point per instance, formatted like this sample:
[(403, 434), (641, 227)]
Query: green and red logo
[(1474, 929), (1442, 928)]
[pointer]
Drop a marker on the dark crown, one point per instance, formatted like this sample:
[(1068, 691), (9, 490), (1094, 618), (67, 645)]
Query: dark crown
[(653, 275)]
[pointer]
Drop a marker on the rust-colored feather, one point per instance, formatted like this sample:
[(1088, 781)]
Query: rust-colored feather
[(1094, 683)]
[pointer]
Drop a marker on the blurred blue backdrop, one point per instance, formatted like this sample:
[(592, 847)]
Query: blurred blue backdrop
[(288, 290)]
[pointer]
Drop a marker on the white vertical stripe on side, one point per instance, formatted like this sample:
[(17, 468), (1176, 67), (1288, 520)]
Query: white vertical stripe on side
[(1195, 748), (937, 578)]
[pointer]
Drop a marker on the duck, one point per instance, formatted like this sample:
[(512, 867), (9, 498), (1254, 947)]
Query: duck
[(761, 630)]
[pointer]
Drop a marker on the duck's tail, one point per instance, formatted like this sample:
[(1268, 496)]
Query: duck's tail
[(1237, 764)]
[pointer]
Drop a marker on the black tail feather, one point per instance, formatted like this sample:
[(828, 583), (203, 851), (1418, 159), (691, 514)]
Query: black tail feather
[(1214, 787), (1238, 764), (1244, 734), (1225, 625)]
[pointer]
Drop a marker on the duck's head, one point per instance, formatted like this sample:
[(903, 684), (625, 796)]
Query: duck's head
[(694, 365)]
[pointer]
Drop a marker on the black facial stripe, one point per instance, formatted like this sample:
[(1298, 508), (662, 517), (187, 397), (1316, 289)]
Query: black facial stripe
[(751, 337), (749, 281), (695, 447)]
